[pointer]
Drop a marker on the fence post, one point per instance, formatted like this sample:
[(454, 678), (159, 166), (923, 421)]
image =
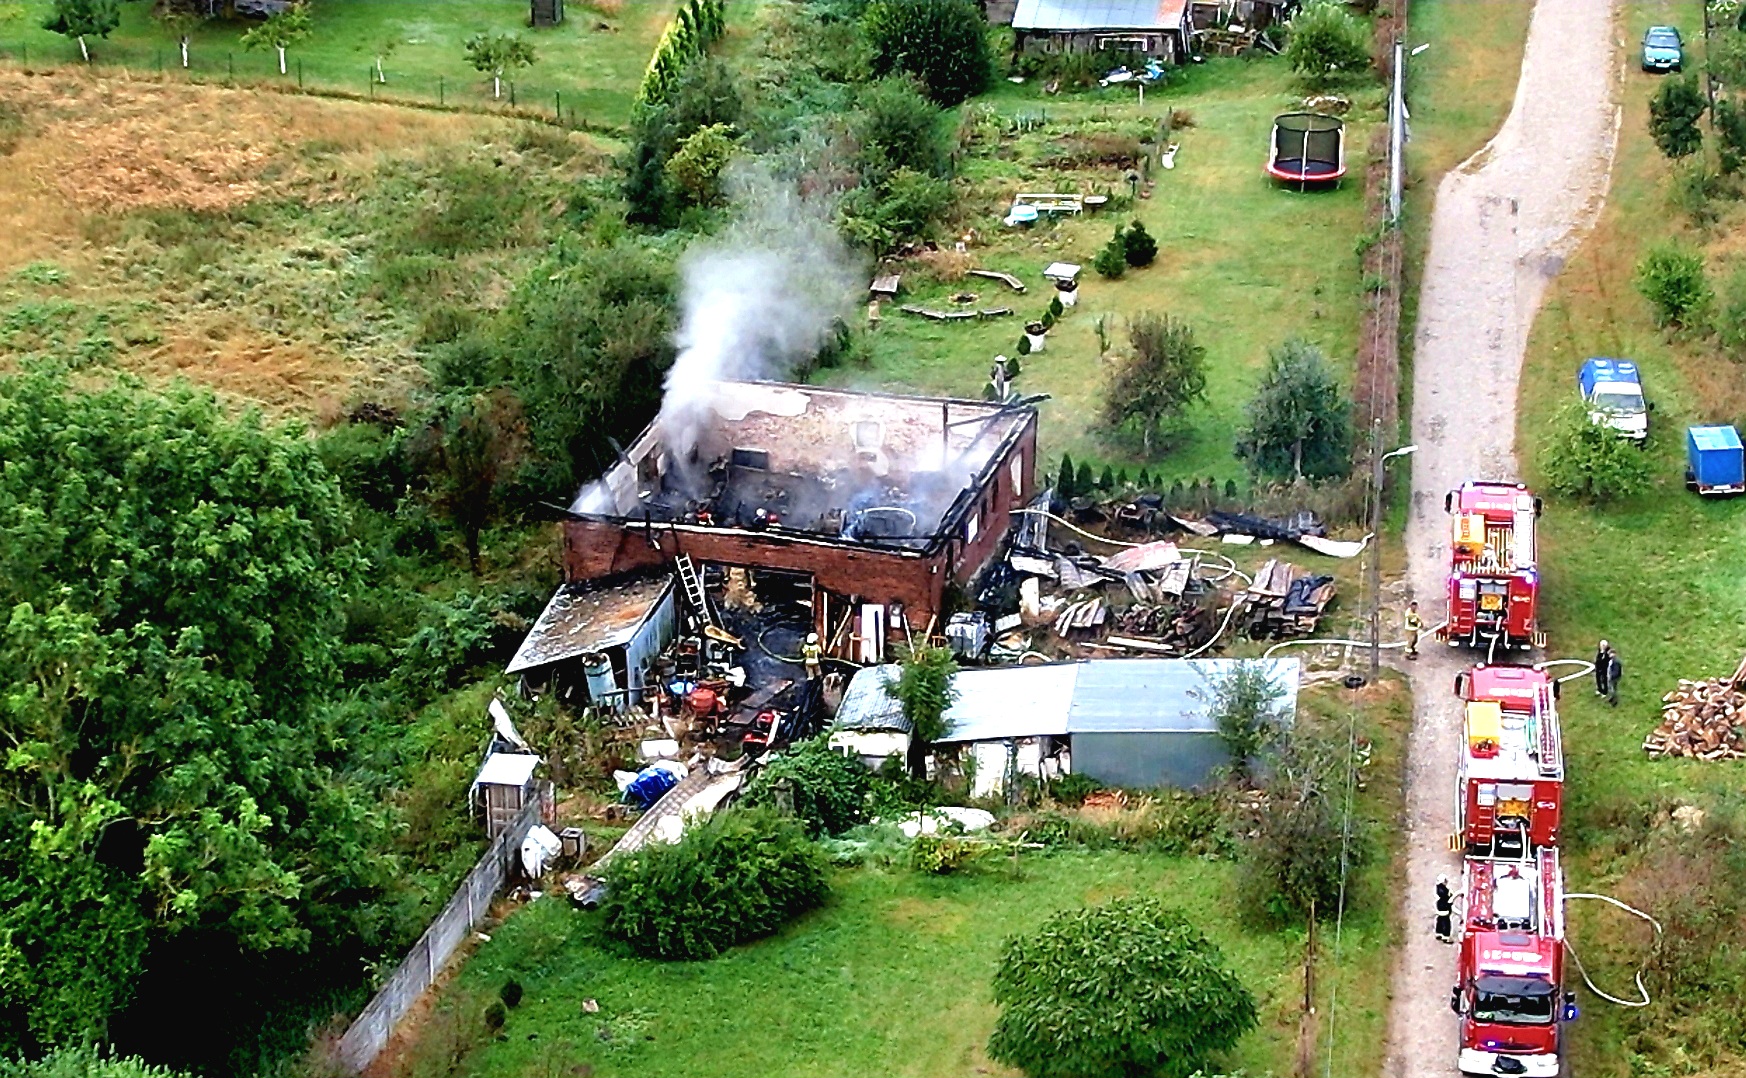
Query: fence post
[(300, 72), (230, 65), (370, 77), (558, 113), (512, 95), (440, 101)]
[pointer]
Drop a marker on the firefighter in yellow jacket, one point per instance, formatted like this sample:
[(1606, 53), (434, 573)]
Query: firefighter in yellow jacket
[(812, 655), (1414, 626)]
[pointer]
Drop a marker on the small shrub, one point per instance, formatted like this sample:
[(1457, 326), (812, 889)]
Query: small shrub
[(496, 1014), (1730, 121), (737, 876), (1674, 113), (1138, 246), (1064, 478), (1304, 850), (1695, 189), (941, 854), (510, 993), (1112, 261), (1672, 280), (1585, 459), (1327, 43), (1730, 316), (1083, 481), (1055, 308), (825, 790), (1023, 346), (1180, 119)]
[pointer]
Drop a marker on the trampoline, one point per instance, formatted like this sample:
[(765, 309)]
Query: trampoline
[(1307, 148)]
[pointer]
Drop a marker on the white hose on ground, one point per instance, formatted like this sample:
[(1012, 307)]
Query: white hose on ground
[(1641, 990), (1214, 638), (1389, 646), (1068, 524), (1587, 668)]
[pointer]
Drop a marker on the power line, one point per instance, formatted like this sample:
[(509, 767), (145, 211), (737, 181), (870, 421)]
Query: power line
[(1345, 865)]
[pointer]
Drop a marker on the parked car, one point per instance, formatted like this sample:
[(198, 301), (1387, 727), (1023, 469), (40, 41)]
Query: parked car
[(1663, 49), (1614, 394)]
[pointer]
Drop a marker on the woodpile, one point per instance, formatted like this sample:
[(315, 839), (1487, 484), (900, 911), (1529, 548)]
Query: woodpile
[(1285, 601), (1702, 719)]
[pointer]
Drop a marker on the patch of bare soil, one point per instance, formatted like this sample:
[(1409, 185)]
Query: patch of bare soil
[(1502, 225)]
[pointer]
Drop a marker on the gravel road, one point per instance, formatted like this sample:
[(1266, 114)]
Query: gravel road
[(1503, 224)]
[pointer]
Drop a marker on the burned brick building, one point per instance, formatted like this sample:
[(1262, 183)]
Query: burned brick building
[(881, 501)]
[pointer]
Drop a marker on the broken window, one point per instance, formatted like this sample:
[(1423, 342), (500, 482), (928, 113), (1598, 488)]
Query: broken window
[(756, 459)]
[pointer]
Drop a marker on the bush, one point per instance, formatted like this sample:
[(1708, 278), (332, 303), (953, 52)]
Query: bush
[(83, 1062), (898, 127), (1056, 310), (1730, 317), (1299, 421), (1304, 848), (510, 993), (1249, 709), (739, 875), (944, 43), (694, 171), (1674, 113), (1138, 246), (1064, 478), (1112, 261), (905, 207), (825, 790), (1672, 280), (496, 1014), (1128, 987), (1073, 789), (1730, 122), (1585, 459), (1326, 43)]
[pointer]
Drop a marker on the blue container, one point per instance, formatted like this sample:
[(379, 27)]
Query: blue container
[(1716, 460)]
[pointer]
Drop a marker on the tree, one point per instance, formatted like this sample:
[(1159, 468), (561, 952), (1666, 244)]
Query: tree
[(825, 790), (1325, 42), (385, 47), (180, 23), (1299, 423), (173, 580), (1249, 709), (898, 127), (280, 31), (83, 1061), (469, 452), (1674, 113), (1152, 387), (497, 54), (1129, 987), (1083, 483), (1730, 121), (1064, 486), (79, 19), (1588, 459), (1112, 260), (944, 43), (1305, 844), (738, 875), (1672, 279), (1138, 246), (695, 169), (924, 689)]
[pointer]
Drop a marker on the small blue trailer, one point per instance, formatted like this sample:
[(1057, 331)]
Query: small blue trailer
[(1716, 462)]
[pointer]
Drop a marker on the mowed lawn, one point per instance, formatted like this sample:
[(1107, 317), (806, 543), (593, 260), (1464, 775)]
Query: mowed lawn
[(595, 59), (1246, 263), (1662, 576)]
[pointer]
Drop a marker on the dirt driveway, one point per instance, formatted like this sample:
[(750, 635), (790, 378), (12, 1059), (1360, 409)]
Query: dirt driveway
[(1503, 223)]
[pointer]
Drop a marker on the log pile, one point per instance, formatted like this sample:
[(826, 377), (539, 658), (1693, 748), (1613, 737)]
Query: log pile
[(1703, 720), (1284, 601)]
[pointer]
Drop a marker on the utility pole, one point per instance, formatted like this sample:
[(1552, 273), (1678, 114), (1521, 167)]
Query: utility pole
[(1379, 462)]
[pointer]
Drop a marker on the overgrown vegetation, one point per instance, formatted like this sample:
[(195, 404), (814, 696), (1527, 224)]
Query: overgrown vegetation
[(1299, 422), (1583, 458), (1307, 843), (1249, 709), (1326, 43), (739, 875), (924, 690), (825, 790)]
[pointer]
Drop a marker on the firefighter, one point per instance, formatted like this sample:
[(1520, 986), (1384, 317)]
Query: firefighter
[(1414, 626), (812, 655), (1445, 910), (1615, 671)]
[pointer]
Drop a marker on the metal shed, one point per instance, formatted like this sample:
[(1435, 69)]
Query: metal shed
[(1153, 27), (1139, 723), (597, 643)]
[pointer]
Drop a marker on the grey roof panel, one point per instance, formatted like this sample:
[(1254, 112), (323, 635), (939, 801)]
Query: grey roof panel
[(867, 706), (582, 618), (1158, 695), (1090, 15)]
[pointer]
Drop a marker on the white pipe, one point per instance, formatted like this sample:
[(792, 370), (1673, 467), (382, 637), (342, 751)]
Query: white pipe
[(1587, 668), (1641, 990), (1268, 654)]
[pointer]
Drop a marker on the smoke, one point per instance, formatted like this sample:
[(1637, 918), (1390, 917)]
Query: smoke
[(758, 300)]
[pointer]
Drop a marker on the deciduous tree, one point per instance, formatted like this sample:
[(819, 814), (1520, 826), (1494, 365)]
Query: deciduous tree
[(1674, 113), (1325, 43), (1586, 459), (1126, 988), (79, 19), (925, 692), (470, 451), (1249, 708), (1299, 422), (497, 55), (1305, 843), (944, 43), (1149, 390), (280, 31)]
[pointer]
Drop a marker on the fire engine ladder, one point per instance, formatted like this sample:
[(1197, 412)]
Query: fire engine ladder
[(692, 582), (1550, 750)]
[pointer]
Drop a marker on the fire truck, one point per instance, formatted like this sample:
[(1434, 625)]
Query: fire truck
[(1510, 792), (1494, 587), (1510, 995)]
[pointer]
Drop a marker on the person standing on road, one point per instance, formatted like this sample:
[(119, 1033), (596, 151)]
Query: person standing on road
[(1414, 626), (1445, 911), (1601, 664), (1615, 671)]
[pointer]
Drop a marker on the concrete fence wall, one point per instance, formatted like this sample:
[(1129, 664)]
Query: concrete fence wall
[(375, 1025)]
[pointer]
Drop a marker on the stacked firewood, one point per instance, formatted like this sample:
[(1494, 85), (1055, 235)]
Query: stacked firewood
[(1703, 719)]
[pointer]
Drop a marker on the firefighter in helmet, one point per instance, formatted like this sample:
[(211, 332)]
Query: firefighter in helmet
[(1414, 626), (813, 656)]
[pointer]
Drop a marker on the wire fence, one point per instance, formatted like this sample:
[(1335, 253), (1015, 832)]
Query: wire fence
[(582, 109)]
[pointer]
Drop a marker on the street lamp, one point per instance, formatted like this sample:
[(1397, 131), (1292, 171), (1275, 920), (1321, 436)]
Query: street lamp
[(1376, 546)]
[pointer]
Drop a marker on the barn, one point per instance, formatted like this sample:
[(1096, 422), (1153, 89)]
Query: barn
[(1153, 27)]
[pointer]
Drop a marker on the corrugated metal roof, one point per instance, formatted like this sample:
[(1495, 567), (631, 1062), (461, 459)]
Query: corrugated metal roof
[(1096, 696), (1159, 695), (582, 619), (507, 769), (1071, 15)]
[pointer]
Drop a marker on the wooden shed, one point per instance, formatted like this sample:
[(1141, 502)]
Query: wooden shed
[(504, 785), (1152, 27)]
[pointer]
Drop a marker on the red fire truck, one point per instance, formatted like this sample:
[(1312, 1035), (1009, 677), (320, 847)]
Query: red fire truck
[(1510, 995), (1511, 791), (1493, 584)]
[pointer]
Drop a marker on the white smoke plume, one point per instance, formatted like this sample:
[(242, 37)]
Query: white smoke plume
[(759, 299)]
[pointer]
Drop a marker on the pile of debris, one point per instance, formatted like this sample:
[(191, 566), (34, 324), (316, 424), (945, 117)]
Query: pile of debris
[(1702, 719), (1285, 601)]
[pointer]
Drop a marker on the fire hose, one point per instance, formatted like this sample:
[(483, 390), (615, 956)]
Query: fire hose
[(1641, 990), (1587, 668), (1268, 654), (1229, 568)]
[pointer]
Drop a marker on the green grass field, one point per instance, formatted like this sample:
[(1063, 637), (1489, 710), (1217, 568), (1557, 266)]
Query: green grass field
[(1245, 263), (595, 59), (1662, 576), (892, 977)]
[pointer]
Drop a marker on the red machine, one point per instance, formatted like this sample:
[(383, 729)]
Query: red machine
[(1494, 588), (1511, 996), (1511, 790)]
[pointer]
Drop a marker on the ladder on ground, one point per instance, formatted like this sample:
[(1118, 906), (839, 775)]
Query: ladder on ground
[(692, 582)]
